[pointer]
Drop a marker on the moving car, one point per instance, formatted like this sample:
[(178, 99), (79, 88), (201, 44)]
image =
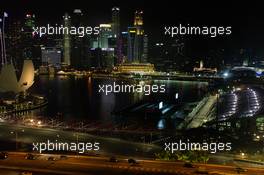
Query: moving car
[(113, 159), (3, 155), (188, 165), (132, 161), (30, 157)]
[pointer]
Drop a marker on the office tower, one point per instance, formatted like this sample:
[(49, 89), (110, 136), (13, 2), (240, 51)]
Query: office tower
[(107, 45), (132, 50), (28, 36), (14, 42), (31, 41), (80, 50), (135, 39), (145, 49), (76, 41), (115, 22), (117, 34), (67, 41), (138, 20), (51, 56), (124, 47), (105, 34)]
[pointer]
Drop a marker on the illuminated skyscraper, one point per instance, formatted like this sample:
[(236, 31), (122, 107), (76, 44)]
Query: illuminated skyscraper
[(145, 49), (79, 45), (105, 34), (135, 39), (14, 42), (66, 41), (28, 36), (132, 50), (138, 20), (116, 34), (107, 50), (115, 22)]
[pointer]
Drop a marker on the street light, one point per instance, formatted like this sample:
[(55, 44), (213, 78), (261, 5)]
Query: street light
[(39, 123), (31, 122)]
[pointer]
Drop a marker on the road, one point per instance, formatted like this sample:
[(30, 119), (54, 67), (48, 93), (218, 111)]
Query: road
[(202, 115), (26, 136), (80, 165)]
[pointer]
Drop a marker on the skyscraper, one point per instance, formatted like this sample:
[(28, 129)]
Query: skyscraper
[(80, 50), (107, 50), (31, 41), (115, 22), (14, 42), (138, 20), (105, 34), (28, 36), (145, 49), (66, 41), (135, 39), (131, 44)]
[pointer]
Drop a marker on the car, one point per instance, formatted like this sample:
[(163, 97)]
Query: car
[(132, 161), (240, 170), (3, 155), (201, 170), (26, 173), (63, 157), (30, 157), (51, 158), (113, 159), (188, 165)]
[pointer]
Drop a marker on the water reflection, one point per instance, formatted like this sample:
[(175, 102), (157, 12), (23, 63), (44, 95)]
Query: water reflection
[(79, 99)]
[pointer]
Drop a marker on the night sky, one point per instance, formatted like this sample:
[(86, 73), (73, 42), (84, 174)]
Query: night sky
[(246, 18)]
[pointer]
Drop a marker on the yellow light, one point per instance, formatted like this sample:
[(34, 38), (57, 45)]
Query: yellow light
[(105, 25)]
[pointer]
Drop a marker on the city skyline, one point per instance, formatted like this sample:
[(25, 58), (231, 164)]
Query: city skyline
[(245, 20), (131, 87)]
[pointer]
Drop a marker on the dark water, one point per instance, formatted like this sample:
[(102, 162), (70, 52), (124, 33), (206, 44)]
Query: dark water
[(79, 99)]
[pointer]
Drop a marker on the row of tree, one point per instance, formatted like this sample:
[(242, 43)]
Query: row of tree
[(187, 156)]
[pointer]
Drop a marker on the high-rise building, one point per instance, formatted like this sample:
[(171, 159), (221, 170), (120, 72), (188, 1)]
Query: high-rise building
[(145, 49), (51, 56), (124, 48), (67, 41), (115, 22), (107, 44), (135, 39), (117, 35), (138, 20), (80, 46), (28, 35), (105, 34), (132, 50), (14, 42), (30, 40)]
